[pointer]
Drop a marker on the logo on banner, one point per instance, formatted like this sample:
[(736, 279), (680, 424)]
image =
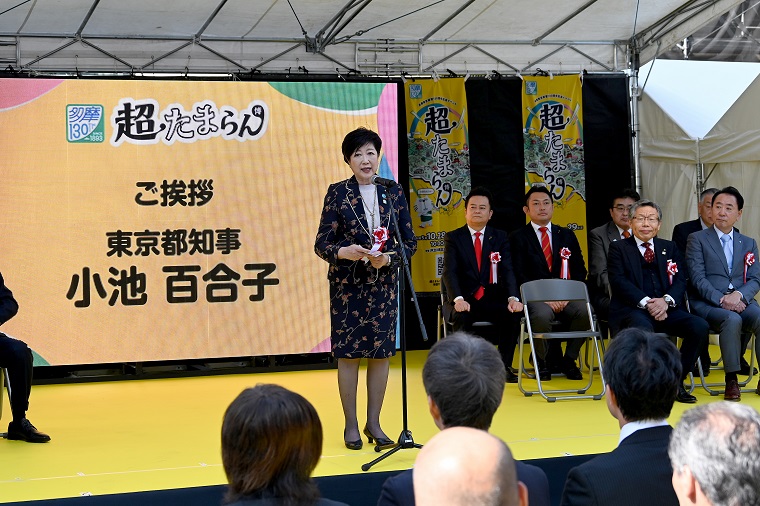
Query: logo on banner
[(531, 88), (84, 123), (415, 91)]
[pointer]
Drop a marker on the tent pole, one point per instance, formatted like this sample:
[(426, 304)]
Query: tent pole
[(700, 182), (635, 95)]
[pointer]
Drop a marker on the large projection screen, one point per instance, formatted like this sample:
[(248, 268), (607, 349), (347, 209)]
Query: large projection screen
[(167, 220)]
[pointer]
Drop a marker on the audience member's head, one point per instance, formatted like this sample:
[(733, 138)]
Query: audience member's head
[(704, 206), (462, 466), (715, 450), (271, 443), (642, 372), (620, 206), (464, 379)]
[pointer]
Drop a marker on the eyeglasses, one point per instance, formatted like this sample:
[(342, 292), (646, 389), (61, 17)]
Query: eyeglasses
[(648, 219), (621, 208)]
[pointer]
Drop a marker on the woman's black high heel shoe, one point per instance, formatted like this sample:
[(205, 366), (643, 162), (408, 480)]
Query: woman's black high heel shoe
[(381, 442), (352, 445)]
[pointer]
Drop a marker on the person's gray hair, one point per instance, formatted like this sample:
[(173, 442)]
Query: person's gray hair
[(464, 375), (645, 203), (708, 191), (720, 443)]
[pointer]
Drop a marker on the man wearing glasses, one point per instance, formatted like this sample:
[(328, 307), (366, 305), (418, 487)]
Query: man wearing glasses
[(599, 240), (648, 282)]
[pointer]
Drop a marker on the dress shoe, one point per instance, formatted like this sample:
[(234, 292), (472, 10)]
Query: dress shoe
[(381, 442), (511, 376), (555, 367), (23, 430), (684, 396), (571, 371), (352, 445), (744, 367), (544, 374), (732, 391)]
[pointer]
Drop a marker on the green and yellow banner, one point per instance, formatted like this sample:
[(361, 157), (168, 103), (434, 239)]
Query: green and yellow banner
[(439, 170), (554, 153)]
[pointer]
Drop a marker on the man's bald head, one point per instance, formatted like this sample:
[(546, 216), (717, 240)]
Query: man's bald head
[(467, 467)]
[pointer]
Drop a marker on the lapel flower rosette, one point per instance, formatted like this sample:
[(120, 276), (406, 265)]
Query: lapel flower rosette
[(495, 259), (564, 272), (672, 270), (749, 259)]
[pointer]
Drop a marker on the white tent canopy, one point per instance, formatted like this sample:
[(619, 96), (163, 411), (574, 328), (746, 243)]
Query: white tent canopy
[(374, 37), (699, 119)]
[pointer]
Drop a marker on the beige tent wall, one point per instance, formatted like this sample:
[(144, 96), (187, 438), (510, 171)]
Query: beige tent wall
[(672, 186), (730, 153)]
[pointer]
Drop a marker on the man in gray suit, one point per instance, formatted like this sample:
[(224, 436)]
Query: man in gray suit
[(599, 240), (725, 277)]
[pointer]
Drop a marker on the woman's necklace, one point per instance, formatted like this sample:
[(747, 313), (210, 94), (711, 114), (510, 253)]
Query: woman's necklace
[(371, 211)]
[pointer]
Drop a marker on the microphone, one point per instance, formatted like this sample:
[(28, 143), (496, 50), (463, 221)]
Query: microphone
[(381, 181)]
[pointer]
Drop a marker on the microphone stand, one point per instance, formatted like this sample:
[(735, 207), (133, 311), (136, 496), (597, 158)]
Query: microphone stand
[(405, 439)]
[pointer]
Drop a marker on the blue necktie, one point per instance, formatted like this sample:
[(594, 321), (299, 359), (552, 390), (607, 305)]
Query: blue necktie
[(728, 250)]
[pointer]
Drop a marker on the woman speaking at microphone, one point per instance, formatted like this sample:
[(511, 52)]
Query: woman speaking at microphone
[(357, 238)]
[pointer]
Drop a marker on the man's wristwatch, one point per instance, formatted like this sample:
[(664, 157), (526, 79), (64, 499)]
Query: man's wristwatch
[(671, 302), (513, 298)]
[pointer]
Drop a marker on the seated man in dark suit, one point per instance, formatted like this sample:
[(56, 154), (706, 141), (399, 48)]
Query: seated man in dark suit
[(464, 379), (725, 278), (714, 451), (541, 250), (16, 357), (648, 285), (642, 372), (681, 233), (599, 240), (478, 279)]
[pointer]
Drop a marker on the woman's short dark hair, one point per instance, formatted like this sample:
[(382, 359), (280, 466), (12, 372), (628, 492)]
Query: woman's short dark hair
[(271, 443), (358, 138)]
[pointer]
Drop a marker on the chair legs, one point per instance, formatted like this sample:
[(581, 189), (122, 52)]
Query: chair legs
[(551, 394), (742, 384)]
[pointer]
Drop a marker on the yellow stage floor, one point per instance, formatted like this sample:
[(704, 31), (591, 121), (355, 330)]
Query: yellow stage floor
[(116, 437)]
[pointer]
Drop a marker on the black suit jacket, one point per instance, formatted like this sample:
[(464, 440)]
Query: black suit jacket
[(682, 231), (461, 276), (8, 305), (627, 278), (399, 490), (528, 257), (636, 473)]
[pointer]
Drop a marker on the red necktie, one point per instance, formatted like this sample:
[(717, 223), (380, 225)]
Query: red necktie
[(546, 247), (626, 234), (478, 253), (648, 253)]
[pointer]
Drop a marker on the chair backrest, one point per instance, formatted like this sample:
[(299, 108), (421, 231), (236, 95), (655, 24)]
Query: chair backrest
[(543, 290)]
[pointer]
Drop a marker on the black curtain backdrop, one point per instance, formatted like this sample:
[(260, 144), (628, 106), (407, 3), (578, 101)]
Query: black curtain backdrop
[(497, 162)]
